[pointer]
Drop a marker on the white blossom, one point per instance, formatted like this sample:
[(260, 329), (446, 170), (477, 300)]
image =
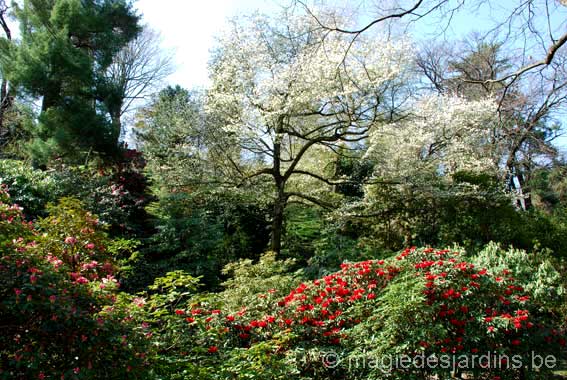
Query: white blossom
[(443, 135)]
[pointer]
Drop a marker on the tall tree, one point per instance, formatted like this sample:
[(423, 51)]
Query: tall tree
[(171, 133), (5, 96), (285, 94), (526, 108), (136, 71), (65, 49), (533, 29)]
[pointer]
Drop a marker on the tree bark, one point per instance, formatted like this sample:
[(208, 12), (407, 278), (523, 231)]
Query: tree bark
[(116, 123), (281, 198), (277, 221), (5, 102), (5, 99)]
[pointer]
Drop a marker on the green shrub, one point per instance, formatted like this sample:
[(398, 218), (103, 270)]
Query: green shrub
[(117, 193), (200, 232), (60, 311), (32, 189), (420, 303)]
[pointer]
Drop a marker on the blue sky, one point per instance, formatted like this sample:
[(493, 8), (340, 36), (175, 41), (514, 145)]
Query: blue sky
[(188, 29)]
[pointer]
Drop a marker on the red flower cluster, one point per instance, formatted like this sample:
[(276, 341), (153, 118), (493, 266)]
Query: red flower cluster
[(476, 309)]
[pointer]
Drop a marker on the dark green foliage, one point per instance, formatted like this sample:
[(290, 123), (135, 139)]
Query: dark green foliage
[(302, 227), (472, 210), (357, 172), (201, 232), (549, 190), (73, 130), (117, 193), (65, 47)]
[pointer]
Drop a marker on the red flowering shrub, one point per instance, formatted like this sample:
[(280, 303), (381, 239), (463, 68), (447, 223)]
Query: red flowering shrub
[(420, 304), (58, 313), (62, 316), (446, 308)]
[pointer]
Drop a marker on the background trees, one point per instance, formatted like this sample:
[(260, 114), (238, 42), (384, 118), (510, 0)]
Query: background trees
[(137, 71), (516, 57), (288, 117), (286, 95), (65, 49)]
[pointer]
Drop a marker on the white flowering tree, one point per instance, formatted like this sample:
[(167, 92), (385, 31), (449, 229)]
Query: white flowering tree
[(283, 90), (443, 135), (444, 151)]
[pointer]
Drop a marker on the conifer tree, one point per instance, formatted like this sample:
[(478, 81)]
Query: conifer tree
[(65, 48)]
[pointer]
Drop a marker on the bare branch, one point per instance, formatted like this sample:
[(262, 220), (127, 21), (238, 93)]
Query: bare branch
[(552, 50), (366, 27), (311, 199)]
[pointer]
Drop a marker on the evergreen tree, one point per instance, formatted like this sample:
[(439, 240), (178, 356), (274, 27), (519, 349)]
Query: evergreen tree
[(65, 48)]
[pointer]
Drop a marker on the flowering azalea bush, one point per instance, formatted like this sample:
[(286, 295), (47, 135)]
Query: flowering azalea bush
[(421, 303), (63, 316), (482, 319), (59, 312)]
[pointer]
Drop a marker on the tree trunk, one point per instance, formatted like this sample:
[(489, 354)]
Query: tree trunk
[(116, 123), (277, 223), (281, 199), (525, 201), (5, 100)]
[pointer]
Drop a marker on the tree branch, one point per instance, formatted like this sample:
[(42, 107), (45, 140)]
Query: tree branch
[(544, 62), (311, 199), (366, 27)]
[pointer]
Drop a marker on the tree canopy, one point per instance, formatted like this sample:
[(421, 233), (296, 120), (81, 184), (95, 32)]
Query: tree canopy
[(354, 195), (65, 48)]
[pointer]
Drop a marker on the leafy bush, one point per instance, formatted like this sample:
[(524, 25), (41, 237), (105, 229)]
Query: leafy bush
[(32, 189), (200, 232), (60, 312), (117, 193), (448, 307), (248, 282), (471, 210)]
